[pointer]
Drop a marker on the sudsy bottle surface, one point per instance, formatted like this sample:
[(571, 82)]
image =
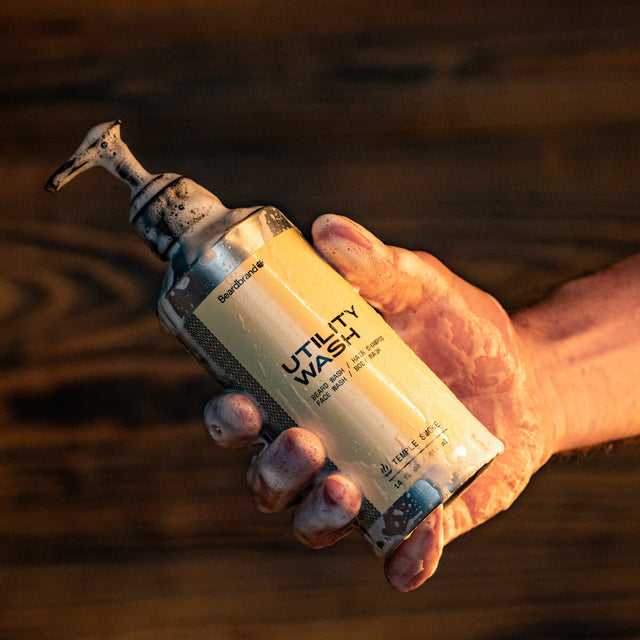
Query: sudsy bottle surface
[(264, 314)]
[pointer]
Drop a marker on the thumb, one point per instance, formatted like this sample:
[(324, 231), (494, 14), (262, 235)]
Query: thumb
[(391, 279)]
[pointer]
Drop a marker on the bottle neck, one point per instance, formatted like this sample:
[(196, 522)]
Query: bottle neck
[(165, 210)]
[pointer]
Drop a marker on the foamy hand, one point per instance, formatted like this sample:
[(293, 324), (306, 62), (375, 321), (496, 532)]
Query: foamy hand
[(468, 340)]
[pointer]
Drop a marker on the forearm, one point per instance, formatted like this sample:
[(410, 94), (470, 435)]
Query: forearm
[(585, 345)]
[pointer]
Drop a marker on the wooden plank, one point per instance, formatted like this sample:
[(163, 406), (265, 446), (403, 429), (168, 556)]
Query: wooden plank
[(506, 141)]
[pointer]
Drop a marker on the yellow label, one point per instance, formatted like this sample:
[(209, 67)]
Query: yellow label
[(336, 367)]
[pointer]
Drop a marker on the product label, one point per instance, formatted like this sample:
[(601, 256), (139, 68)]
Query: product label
[(335, 367)]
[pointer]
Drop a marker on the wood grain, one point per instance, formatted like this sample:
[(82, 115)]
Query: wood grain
[(505, 139)]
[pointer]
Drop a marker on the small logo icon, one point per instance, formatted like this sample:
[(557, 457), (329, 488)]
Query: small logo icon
[(385, 470)]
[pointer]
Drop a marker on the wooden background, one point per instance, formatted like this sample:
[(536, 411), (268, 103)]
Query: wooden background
[(502, 136)]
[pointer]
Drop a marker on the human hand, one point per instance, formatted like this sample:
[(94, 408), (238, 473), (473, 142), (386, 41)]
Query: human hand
[(469, 341)]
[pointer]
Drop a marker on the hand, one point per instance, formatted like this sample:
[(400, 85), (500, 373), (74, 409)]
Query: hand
[(469, 341)]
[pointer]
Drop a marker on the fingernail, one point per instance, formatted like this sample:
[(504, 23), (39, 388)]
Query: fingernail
[(341, 492), (333, 492), (247, 413)]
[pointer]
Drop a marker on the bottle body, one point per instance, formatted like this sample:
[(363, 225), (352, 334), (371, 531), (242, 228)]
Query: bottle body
[(249, 298), (266, 315)]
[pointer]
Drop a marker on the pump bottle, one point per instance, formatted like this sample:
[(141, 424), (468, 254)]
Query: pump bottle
[(252, 301)]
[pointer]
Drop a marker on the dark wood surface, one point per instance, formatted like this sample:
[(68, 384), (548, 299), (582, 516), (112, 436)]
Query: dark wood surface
[(504, 137)]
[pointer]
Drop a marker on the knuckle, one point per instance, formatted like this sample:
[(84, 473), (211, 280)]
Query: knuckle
[(233, 420), (281, 471), (327, 513)]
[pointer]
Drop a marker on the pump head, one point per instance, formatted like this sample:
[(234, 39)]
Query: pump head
[(102, 147), (164, 207)]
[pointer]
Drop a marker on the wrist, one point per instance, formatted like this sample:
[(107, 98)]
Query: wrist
[(584, 343), (540, 356)]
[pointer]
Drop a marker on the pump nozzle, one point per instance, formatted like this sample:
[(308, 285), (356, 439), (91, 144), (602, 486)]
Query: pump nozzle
[(164, 207), (102, 147)]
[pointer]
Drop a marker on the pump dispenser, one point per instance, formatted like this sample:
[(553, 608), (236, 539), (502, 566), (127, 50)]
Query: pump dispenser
[(254, 303), (164, 207)]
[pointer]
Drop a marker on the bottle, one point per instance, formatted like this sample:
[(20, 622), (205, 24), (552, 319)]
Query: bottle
[(251, 300)]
